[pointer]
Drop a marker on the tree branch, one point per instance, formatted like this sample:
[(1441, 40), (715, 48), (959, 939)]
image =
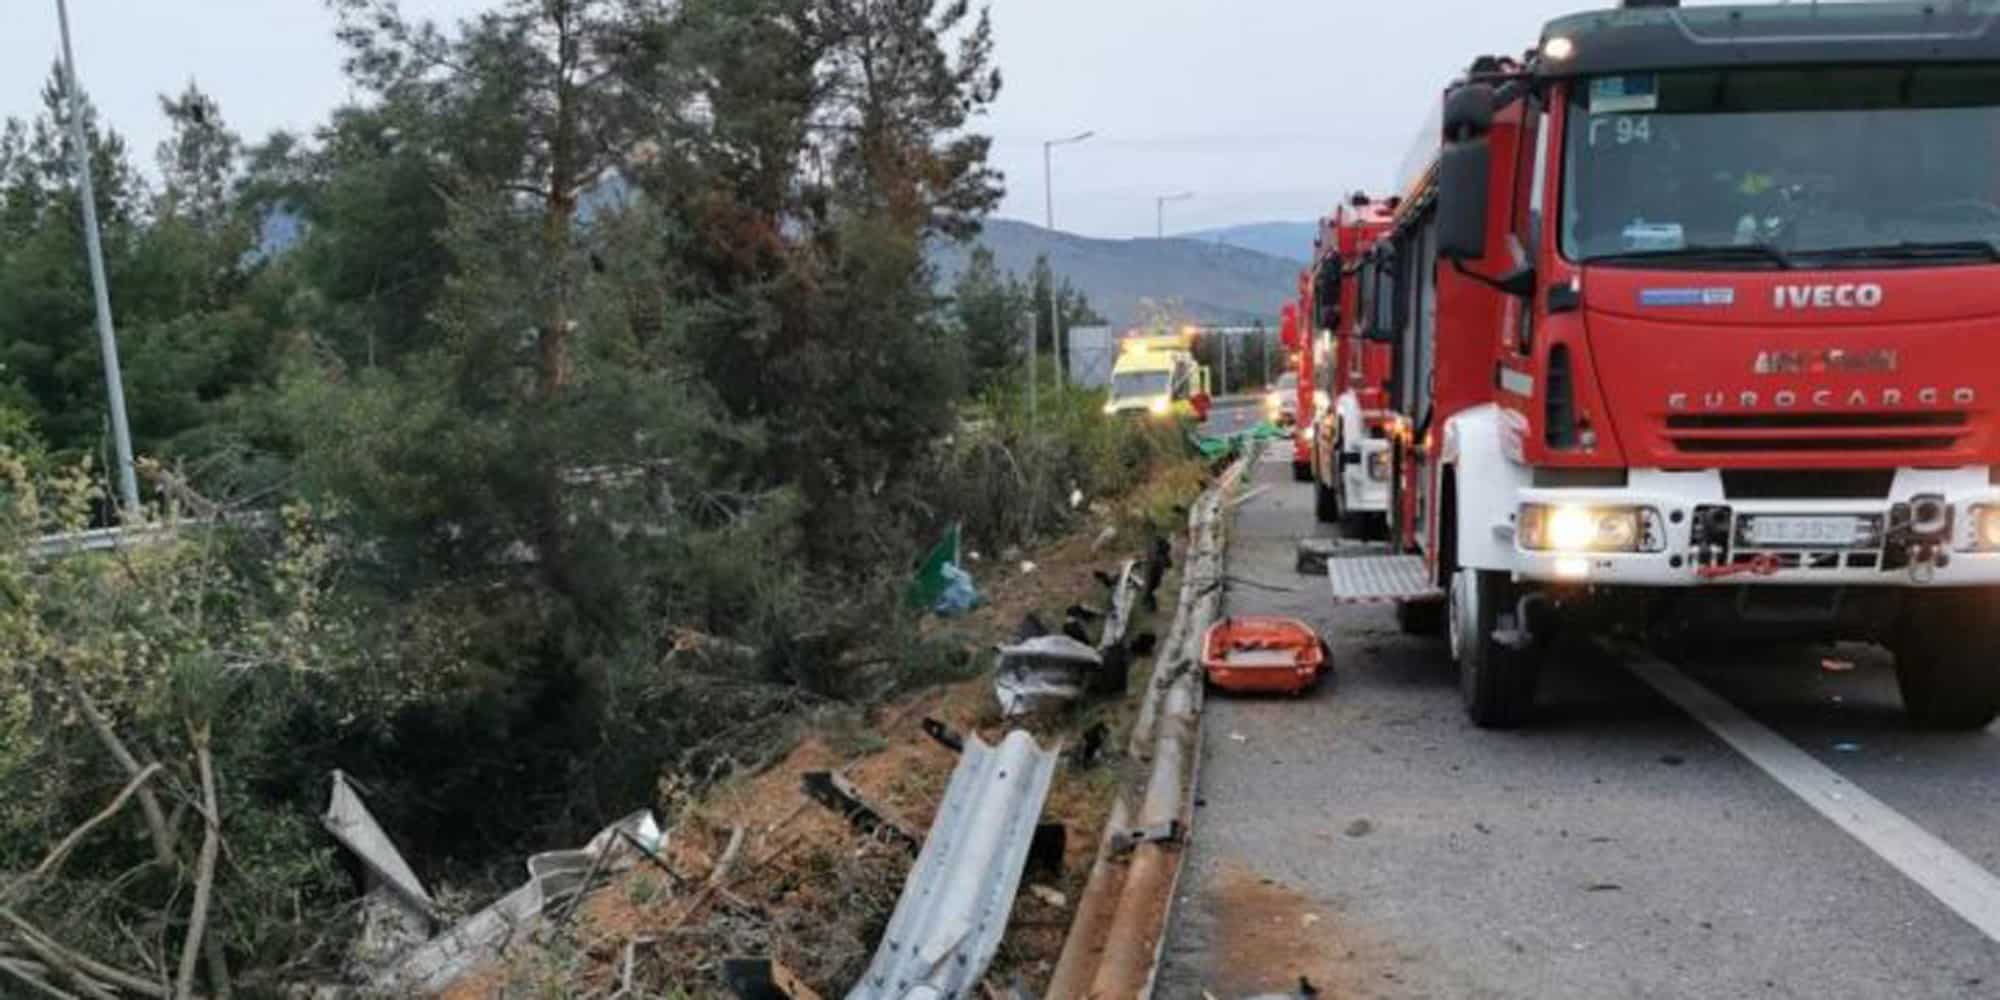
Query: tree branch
[(26, 973), (156, 818), (204, 871), (81, 970), (54, 858)]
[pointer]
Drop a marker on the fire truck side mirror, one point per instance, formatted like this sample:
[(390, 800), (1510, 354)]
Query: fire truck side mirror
[(1463, 167)]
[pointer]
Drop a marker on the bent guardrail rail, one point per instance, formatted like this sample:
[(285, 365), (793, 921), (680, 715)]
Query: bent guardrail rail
[(954, 908)]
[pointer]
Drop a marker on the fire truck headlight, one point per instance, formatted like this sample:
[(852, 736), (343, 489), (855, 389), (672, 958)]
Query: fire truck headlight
[(1159, 407), (1589, 528), (1110, 408), (1558, 49), (1986, 528)]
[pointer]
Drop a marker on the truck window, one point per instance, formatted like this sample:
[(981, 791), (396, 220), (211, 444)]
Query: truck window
[(1833, 164), (1535, 156), (1364, 295), (1326, 294)]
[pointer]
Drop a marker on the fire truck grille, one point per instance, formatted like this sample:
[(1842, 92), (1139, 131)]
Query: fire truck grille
[(1771, 433)]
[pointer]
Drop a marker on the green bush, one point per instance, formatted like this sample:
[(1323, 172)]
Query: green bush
[(1008, 480)]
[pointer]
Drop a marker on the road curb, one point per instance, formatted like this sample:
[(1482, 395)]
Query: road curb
[(1119, 955)]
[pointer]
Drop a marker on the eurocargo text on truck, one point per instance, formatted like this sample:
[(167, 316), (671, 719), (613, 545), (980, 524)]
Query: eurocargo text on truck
[(1697, 318)]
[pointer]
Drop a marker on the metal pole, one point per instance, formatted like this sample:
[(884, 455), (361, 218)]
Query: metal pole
[(1055, 303), (107, 337)]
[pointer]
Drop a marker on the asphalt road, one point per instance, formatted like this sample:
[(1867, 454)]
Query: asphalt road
[(1369, 838)]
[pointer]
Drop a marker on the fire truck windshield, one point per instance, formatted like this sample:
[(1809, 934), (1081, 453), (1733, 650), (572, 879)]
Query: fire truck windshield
[(1774, 168)]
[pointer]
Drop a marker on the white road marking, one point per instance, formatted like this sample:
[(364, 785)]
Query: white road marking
[(1967, 889)]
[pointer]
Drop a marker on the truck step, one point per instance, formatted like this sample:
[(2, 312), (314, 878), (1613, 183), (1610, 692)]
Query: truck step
[(1380, 579)]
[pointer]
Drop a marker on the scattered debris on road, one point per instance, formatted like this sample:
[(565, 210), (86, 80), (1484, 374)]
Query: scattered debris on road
[(1043, 672), (1361, 827), (1313, 554)]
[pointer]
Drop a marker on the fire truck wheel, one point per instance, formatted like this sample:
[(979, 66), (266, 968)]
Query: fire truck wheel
[(1326, 503), (1302, 472), (1498, 683), (1425, 618), (1948, 682)]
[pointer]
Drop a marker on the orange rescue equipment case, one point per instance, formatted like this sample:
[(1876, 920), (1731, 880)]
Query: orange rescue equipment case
[(1250, 654)]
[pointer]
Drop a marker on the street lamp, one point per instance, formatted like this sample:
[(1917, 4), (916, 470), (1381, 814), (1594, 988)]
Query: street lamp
[(1160, 211), (1055, 308), (107, 337)]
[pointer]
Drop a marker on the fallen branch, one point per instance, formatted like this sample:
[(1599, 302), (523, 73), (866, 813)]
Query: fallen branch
[(156, 818), (25, 972), (721, 872), (81, 970), (204, 872), (625, 967), (60, 851)]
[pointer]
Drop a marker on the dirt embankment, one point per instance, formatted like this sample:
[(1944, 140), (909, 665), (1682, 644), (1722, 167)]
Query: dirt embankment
[(804, 887)]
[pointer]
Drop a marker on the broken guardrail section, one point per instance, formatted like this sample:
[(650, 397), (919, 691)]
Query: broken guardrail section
[(954, 908)]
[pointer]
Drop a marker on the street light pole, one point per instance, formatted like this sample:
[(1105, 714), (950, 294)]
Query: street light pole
[(1160, 212), (1055, 307), (107, 337)]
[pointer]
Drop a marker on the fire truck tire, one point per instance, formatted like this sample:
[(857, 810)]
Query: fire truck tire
[(1326, 503), (1302, 472), (1497, 683), (1424, 618), (1948, 678)]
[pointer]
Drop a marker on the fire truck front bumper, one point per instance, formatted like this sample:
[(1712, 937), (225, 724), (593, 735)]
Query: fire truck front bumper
[(1935, 528)]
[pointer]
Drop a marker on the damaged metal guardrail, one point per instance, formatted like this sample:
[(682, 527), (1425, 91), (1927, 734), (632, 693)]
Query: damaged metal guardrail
[(402, 957), (954, 908), (1115, 940)]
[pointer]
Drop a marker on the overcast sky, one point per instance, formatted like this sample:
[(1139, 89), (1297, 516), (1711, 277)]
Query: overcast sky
[(1265, 109)]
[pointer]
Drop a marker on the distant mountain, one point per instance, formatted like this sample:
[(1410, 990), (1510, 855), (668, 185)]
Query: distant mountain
[(1215, 283), (1290, 240)]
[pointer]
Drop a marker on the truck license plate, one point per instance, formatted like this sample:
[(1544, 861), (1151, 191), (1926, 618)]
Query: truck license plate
[(1835, 531)]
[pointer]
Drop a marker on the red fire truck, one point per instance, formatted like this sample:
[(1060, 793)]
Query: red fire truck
[(1346, 443), (1697, 322)]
